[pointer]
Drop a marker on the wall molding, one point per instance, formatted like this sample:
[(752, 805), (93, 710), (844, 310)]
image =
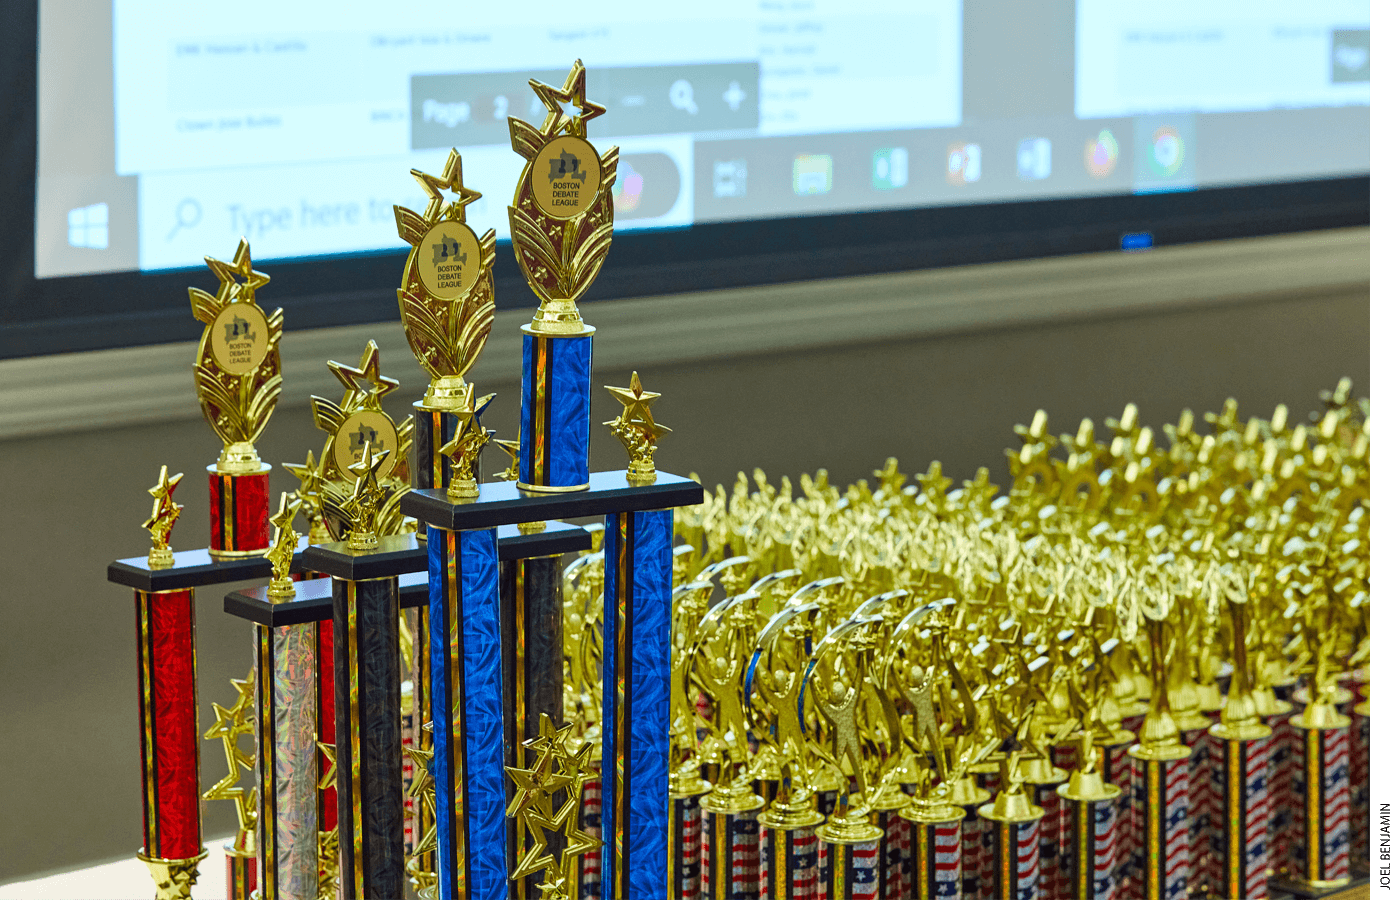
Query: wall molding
[(142, 385)]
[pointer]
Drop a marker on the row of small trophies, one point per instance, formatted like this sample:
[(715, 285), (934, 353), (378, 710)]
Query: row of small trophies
[(1139, 672)]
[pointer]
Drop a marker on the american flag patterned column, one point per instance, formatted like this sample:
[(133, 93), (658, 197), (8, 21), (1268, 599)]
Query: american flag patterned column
[(1359, 742), (683, 861), (1161, 785), (1091, 849), (1064, 756), (729, 855), (788, 863), (935, 853), (1243, 826), (1285, 806), (468, 748), (968, 797), (1322, 855), (169, 729), (890, 874), (636, 703), (1052, 835), (1016, 860), (590, 871), (848, 871), (1197, 740), (1118, 770)]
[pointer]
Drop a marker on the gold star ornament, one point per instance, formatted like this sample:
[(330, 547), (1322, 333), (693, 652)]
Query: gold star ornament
[(164, 512), (637, 430)]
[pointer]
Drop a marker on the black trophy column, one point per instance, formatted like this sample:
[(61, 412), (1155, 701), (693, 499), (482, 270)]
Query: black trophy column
[(369, 750), (532, 676)]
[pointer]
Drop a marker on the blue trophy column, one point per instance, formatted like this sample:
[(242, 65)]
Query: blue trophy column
[(554, 409), (636, 703), (468, 748)]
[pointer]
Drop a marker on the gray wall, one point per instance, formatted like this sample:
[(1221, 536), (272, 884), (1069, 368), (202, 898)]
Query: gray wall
[(69, 785)]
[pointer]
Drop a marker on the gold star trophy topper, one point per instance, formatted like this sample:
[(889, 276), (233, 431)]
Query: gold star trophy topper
[(237, 369), (555, 769), (561, 223), (462, 450), (637, 430), (164, 512), (284, 546), (448, 299), (229, 725)]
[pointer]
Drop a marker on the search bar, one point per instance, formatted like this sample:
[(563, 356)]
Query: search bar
[(465, 109)]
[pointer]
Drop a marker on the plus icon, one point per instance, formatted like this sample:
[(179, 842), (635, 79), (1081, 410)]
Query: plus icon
[(734, 95)]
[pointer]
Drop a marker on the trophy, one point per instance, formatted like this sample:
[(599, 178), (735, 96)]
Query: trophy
[(172, 844), (561, 227), (447, 303), (238, 374)]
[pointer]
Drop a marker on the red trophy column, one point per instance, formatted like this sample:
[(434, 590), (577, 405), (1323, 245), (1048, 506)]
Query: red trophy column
[(172, 845)]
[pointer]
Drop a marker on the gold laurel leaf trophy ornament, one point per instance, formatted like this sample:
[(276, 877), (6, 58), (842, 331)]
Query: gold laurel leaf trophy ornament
[(238, 376)]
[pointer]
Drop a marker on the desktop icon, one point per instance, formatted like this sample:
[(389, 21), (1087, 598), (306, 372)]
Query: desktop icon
[(1033, 159), (87, 227), (964, 163), (1101, 154), (627, 189), (1166, 152), (731, 177), (889, 168), (811, 174)]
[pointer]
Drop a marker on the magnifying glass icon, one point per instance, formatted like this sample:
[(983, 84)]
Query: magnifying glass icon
[(683, 96), (188, 212)]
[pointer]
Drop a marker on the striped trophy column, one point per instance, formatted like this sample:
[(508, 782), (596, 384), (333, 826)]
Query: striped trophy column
[(1161, 787), (683, 845), (288, 847), (1196, 737), (1284, 803), (1016, 851), (1045, 779), (241, 872), (788, 862), (1064, 756), (468, 747), (1090, 818), (1321, 858), (1119, 770), (847, 871), (1359, 750), (935, 852), (788, 848), (890, 874), (590, 870), (238, 512), (729, 852), (636, 703), (1240, 753), (968, 797)]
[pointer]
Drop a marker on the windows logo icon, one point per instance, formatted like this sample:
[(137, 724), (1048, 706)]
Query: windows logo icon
[(87, 226)]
